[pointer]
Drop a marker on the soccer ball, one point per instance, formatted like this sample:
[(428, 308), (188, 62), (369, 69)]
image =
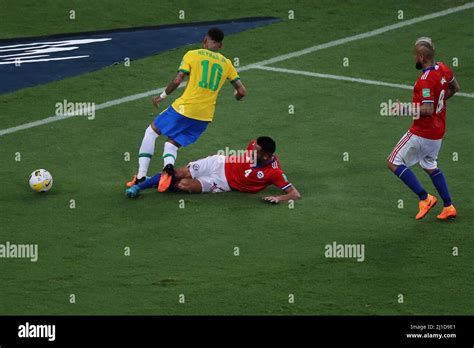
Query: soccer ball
[(41, 180)]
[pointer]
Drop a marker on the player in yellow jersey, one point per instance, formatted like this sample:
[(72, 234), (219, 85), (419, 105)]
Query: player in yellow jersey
[(188, 117)]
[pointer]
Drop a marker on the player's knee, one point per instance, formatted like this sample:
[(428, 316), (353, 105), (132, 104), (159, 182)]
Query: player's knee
[(169, 140), (153, 130), (392, 167)]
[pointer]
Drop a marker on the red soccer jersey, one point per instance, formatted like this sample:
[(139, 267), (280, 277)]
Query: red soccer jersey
[(431, 87), (243, 175)]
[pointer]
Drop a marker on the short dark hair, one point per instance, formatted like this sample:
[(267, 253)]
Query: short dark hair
[(267, 144), (216, 34)]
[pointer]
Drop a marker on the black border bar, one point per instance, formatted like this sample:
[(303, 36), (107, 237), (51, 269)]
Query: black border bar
[(135, 330)]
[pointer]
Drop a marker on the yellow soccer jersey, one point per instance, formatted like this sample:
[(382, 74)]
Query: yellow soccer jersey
[(207, 70)]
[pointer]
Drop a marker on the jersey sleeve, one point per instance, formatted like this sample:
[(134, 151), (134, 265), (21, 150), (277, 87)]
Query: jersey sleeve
[(448, 73), (185, 65), (426, 88), (232, 75), (280, 180)]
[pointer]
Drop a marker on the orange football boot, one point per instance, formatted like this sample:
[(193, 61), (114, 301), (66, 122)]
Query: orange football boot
[(132, 182), (425, 206), (135, 181), (447, 213), (166, 178)]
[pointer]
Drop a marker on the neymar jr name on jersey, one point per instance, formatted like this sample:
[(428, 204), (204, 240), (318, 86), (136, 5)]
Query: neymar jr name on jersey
[(213, 55)]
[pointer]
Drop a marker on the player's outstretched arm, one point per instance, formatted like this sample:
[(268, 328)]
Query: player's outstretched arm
[(175, 82), (453, 88), (239, 89), (291, 194)]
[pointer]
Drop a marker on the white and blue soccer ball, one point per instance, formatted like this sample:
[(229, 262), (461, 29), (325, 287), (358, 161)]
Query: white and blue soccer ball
[(41, 180)]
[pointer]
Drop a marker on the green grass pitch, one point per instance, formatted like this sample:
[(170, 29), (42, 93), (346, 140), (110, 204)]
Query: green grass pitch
[(190, 250)]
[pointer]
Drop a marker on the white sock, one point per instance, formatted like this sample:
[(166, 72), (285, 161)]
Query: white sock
[(146, 152), (170, 153)]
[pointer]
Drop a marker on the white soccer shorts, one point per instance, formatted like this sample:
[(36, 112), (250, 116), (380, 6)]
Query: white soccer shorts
[(412, 149), (210, 172)]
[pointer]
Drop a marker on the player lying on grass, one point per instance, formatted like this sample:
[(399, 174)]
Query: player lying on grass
[(250, 172), (188, 117), (421, 144)]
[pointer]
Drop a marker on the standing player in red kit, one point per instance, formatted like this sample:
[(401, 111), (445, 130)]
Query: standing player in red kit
[(421, 144), (251, 172)]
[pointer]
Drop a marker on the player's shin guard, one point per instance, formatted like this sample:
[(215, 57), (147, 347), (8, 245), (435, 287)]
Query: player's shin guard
[(409, 179), (170, 153), (439, 181), (146, 152)]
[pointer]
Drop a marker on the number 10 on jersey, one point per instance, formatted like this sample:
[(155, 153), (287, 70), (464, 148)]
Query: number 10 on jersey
[(214, 79)]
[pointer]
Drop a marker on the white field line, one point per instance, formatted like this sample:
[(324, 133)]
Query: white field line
[(362, 35), (258, 64), (345, 78), (97, 107)]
